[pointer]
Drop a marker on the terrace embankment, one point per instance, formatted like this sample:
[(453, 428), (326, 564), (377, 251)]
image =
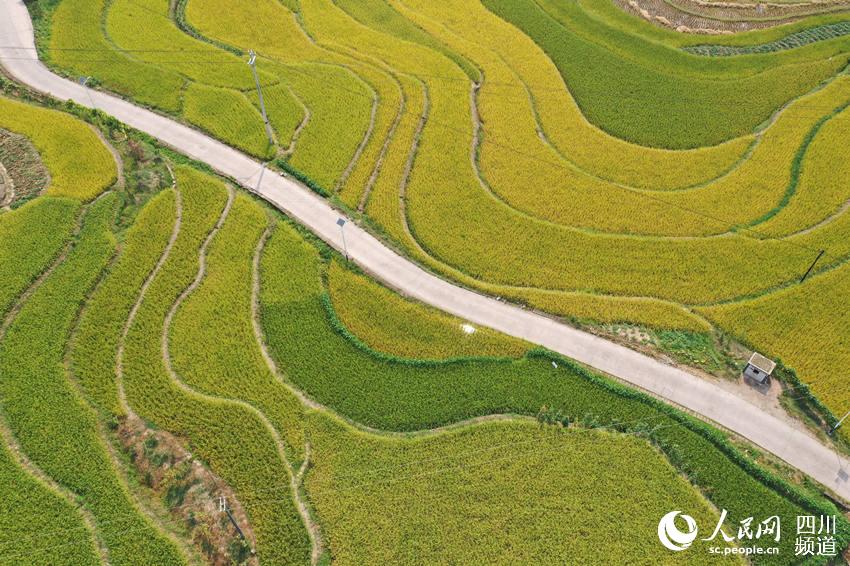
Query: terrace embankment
[(699, 16)]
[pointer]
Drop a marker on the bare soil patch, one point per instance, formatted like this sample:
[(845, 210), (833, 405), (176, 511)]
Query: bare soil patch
[(190, 493), (700, 16), (25, 175)]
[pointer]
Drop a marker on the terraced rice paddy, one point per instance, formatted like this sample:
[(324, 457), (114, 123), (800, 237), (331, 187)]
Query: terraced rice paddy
[(217, 321), (563, 155), (726, 17), (82, 174), (567, 156)]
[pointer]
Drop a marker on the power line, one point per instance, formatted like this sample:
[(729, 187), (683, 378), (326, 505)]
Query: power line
[(727, 224), (466, 80)]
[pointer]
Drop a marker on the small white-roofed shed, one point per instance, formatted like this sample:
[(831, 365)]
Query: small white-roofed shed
[(759, 368)]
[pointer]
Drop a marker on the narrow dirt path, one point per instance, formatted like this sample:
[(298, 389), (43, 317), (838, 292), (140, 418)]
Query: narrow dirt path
[(367, 190), (120, 469), (120, 181), (15, 449), (408, 168), (826, 221), (295, 478), (177, 380), (312, 404), (305, 119), (119, 357), (366, 138), (119, 372)]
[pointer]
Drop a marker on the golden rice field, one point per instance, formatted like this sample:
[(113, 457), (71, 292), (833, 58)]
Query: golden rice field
[(341, 421), (82, 174), (568, 156)]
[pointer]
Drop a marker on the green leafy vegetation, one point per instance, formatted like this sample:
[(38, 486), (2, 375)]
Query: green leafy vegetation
[(791, 41), (53, 424)]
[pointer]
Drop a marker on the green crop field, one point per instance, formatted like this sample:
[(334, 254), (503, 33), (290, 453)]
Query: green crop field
[(392, 325), (570, 157)]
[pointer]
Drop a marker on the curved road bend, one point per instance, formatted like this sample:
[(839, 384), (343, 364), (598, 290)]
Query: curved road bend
[(797, 448)]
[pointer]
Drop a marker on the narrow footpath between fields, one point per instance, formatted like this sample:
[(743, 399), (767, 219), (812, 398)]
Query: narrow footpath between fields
[(799, 449)]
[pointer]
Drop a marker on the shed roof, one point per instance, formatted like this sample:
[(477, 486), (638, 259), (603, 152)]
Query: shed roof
[(762, 363)]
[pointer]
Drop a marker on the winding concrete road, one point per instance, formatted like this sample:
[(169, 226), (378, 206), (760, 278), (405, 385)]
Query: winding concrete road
[(797, 448)]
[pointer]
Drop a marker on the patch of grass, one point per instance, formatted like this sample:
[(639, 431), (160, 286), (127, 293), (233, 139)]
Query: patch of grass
[(697, 350), (23, 166)]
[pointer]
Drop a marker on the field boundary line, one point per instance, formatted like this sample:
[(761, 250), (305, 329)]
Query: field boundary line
[(306, 114), (296, 477), (18, 455), (366, 138), (191, 391)]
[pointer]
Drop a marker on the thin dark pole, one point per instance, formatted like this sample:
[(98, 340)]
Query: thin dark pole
[(235, 524), (813, 265)]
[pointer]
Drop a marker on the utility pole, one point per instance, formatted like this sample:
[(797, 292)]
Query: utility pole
[(813, 265), (838, 424), (84, 83), (341, 224), (252, 62), (222, 506)]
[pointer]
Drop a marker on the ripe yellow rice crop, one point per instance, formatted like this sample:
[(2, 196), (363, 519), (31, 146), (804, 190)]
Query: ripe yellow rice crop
[(81, 174)]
